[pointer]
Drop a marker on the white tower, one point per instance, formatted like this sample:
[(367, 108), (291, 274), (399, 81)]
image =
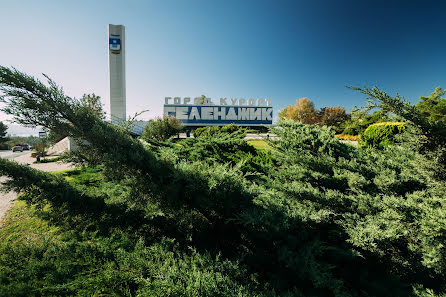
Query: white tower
[(116, 67)]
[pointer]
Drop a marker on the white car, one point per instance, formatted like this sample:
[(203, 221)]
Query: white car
[(17, 148)]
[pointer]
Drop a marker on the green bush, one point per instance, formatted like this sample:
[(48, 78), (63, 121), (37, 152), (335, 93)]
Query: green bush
[(225, 148), (206, 131), (231, 128), (327, 220), (381, 134), (321, 218), (50, 160), (213, 130), (162, 129), (359, 120)]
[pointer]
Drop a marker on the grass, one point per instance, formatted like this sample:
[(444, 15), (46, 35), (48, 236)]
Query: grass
[(21, 225), (83, 175), (259, 144)]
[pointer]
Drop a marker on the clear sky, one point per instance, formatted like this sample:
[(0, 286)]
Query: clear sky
[(283, 50)]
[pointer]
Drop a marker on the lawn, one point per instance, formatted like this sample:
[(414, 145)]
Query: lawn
[(21, 225), (259, 144)]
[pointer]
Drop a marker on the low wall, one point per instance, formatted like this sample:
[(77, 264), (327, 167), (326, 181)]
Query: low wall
[(65, 145)]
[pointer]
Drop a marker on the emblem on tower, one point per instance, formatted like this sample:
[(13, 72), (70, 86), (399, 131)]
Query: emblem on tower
[(115, 43)]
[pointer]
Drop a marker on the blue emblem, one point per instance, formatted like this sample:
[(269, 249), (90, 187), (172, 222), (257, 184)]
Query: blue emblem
[(115, 44)]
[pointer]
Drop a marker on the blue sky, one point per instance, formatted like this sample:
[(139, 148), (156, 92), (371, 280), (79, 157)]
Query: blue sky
[(283, 50)]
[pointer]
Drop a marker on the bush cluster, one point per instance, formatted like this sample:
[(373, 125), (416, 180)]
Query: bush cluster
[(326, 219), (348, 137), (162, 129), (213, 216), (381, 134), (213, 130)]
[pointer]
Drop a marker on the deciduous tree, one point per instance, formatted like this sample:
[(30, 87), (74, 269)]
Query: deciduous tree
[(332, 116), (303, 111), (93, 102), (162, 128)]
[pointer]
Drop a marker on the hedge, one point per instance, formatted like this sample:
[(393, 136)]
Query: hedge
[(213, 130), (381, 134)]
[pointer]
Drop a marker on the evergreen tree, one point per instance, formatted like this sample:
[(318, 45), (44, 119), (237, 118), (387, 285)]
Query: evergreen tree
[(3, 132), (433, 106)]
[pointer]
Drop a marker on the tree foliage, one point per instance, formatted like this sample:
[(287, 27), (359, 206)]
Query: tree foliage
[(162, 128), (360, 119), (433, 106), (303, 111), (381, 134), (214, 130), (3, 132), (93, 102), (428, 135), (332, 116)]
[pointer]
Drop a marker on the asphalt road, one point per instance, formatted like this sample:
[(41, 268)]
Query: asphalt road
[(12, 155), (6, 199)]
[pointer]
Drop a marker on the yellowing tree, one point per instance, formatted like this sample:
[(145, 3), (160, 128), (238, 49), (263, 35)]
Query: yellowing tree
[(303, 112), (333, 116)]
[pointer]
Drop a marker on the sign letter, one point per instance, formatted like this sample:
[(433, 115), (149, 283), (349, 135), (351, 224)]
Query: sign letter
[(169, 111), (267, 114), (231, 114), (182, 112), (243, 114), (207, 113), (255, 114), (221, 113), (194, 114)]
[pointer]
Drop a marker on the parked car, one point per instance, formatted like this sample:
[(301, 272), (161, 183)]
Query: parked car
[(26, 147), (17, 148)]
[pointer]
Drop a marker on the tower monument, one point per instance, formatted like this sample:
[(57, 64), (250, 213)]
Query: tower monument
[(116, 67)]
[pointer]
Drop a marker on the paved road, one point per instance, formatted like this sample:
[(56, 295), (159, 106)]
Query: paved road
[(12, 155), (6, 199)]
